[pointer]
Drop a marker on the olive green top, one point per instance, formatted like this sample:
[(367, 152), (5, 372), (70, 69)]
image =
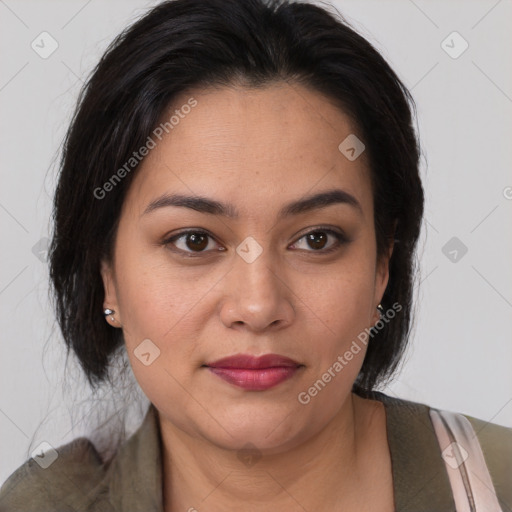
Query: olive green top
[(77, 481)]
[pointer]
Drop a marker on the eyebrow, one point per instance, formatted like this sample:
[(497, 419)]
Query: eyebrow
[(213, 207)]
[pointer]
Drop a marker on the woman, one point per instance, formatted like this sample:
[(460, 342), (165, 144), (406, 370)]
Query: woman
[(258, 334)]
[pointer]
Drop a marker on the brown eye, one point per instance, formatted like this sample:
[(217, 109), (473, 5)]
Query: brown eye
[(318, 241), (190, 243), (196, 241)]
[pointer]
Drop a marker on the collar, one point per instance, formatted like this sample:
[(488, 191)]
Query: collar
[(420, 480), (135, 474)]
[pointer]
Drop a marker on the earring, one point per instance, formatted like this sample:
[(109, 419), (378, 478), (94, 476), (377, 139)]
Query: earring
[(109, 312), (380, 309)]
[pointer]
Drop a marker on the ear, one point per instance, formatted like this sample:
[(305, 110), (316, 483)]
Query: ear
[(110, 301), (382, 276)]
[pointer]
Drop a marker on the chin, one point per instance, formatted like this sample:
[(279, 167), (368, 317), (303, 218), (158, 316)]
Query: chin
[(269, 434)]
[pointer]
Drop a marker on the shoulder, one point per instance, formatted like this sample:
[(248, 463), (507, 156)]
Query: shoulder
[(73, 481), (495, 440), (79, 480), (496, 443)]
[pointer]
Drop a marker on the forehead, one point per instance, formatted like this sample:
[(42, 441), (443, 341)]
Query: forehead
[(262, 146)]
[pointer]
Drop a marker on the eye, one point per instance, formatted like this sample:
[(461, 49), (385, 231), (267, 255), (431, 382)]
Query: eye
[(190, 242), (193, 243), (318, 239)]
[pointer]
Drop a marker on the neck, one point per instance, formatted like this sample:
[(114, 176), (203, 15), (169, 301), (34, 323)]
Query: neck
[(324, 471)]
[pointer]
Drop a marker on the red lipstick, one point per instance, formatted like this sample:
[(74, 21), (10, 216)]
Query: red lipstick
[(254, 373)]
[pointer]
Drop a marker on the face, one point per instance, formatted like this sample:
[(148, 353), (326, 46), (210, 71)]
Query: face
[(260, 277)]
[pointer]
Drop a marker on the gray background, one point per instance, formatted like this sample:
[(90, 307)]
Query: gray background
[(461, 352)]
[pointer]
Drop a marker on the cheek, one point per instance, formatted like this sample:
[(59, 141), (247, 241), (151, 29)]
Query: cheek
[(157, 300), (344, 298), (162, 307), (342, 307), (165, 308)]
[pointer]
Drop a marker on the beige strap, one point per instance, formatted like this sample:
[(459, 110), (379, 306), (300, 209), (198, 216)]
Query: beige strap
[(472, 487)]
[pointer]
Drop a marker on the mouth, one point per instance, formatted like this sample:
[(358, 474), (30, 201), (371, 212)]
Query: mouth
[(255, 373)]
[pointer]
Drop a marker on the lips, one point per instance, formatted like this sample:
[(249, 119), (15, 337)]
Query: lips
[(255, 373), (248, 362)]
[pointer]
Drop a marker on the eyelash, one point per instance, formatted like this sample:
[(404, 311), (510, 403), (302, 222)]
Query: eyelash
[(341, 240)]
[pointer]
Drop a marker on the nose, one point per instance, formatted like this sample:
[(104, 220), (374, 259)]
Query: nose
[(256, 296)]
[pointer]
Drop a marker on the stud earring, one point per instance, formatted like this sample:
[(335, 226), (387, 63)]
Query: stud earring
[(380, 309), (109, 312)]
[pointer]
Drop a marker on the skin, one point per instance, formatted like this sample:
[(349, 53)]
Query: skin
[(259, 150)]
